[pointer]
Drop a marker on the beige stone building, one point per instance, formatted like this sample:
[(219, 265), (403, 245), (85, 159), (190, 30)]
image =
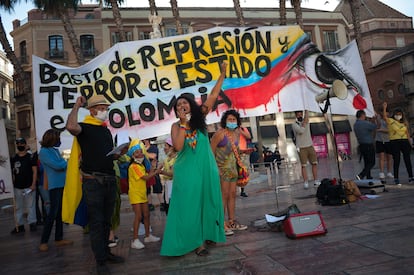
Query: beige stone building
[(7, 112)]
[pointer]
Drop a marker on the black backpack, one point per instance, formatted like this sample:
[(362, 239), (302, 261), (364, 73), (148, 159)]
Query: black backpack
[(330, 194)]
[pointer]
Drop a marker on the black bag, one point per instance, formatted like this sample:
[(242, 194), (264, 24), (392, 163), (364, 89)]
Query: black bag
[(278, 226), (330, 194)]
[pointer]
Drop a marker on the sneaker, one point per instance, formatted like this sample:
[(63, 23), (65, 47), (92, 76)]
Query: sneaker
[(112, 243), (43, 247), (33, 227), (243, 194), (397, 182), (390, 175), (136, 244), (358, 177), (228, 232), (18, 230), (306, 185), (411, 180), (235, 226), (381, 175), (151, 239), (63, 242), (316, 183)]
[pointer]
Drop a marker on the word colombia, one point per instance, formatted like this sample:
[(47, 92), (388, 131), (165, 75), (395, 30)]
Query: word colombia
[(192, 60)]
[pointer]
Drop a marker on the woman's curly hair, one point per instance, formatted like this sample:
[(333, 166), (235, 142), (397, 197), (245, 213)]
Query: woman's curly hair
[(198, 119), (226, 115)]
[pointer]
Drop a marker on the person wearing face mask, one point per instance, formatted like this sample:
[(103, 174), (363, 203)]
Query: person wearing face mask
[(195, 214), (54, 166), (222, 144), (399, 142), (24, 174), (137, 192), (301, 129), (91, 144)]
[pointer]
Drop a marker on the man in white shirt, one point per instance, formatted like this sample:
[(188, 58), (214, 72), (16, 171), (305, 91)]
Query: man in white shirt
[(307, 153)]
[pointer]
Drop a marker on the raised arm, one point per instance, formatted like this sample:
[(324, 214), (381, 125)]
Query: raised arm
[(384, 111), (211, 99), (72, 124)]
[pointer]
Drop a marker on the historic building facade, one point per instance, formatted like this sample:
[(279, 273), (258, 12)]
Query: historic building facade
[(7, 112)]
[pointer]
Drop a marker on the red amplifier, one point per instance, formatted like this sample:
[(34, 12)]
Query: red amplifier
[(304, 224)]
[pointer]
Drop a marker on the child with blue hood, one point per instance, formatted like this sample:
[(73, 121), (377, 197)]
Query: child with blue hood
[(139, 171)]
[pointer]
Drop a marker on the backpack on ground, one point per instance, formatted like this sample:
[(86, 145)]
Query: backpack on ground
[(352, 191), (330, 193)]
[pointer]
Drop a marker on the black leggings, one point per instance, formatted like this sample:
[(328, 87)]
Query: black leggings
[(399, 146)]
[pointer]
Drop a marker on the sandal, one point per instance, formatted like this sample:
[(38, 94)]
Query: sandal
[(201, 251), (233, 225)]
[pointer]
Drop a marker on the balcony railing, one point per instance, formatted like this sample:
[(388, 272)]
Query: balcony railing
[(408, 68), (408, 91), (56, 55), (24, 59), (90, 53)]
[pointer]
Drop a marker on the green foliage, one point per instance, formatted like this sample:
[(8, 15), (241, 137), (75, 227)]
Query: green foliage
[(55, 7)]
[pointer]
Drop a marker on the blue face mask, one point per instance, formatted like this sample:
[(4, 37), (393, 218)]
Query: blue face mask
[(231, 125), (58, 144)]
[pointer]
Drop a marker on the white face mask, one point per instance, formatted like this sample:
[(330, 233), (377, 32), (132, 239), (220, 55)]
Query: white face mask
[(102, 115), (139, 160), (398, 117), (188, 116)]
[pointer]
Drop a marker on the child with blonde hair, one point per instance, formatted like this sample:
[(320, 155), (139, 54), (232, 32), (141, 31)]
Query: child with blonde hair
[(139, 171), (167, 171)]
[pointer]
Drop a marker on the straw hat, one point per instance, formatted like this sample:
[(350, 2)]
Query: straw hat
[(97, 100)]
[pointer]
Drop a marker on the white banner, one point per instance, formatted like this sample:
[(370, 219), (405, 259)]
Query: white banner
[(6, 184), (271, 69)]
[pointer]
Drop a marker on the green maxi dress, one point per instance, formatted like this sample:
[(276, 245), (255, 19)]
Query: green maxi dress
[(196, 210)]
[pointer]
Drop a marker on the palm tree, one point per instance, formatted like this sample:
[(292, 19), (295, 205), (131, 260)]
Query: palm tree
[(117, 17), (356, 21), (298, 12), (282, 12), (242, 23), (239, 13), (153, 7), (8, 5), (176, 15), (61, 9)]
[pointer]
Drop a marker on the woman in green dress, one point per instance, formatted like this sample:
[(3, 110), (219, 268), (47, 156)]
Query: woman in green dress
[(196, 210)]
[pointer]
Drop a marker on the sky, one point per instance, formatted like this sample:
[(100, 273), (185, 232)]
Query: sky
[(404, 6)]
